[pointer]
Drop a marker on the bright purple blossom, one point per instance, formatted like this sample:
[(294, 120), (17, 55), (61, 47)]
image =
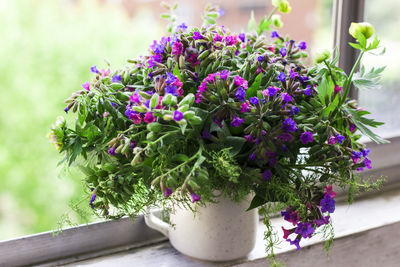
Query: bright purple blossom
[(195, 197), (327, 204), (293, 74), (157, 48), (281, 77), (267, 174), (304, 229), (167, 192), (302, 45), (197, 35), (218, 38), (116, 78), (306, 137), (365, 152), (242, 37), (224, 74), (308, 90), (237, 121), (239, 81), (254, 100), (289, 125), (274, 34), (111, 151), (260, 59), (94, 69), (324, 220), (332, 140), (252, 156), (356, 156), (352, 127), (272, 91), (340, 138), (286, 97), (92, 199), (291, 215), (178, 115), (337, 89), (295, 242), (231, 39), (283, 51), (86, 86)]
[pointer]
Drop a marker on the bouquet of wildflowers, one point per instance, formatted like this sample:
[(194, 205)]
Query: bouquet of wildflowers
[(208, 109)]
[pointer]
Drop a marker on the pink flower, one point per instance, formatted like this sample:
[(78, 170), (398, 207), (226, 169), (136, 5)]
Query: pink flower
[(329, 191), (245, 106), (177, 48), (231, 39), (134, 98), (286, 233), (337, 89), (104, 72), (86, 86), (332, 140), (149, 117)]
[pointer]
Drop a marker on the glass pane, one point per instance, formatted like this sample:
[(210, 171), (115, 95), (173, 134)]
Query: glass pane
[(384, 103), (53, 45)]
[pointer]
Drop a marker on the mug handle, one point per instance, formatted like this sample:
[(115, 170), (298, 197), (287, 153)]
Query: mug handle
[(156, 223)]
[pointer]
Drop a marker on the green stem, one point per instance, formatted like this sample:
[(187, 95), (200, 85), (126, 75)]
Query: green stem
[(347, 84), (330, 72), (272, 13)]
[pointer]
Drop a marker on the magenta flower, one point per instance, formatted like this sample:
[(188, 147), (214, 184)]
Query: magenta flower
[(239, 81), (86, 86), (104, 72), (332, 140), (286, 233), (168, 192), (306, 137), (245, 107), (329, 191), (137, 119), (249, 138), (291, 215), (231, 39), (352, 127), (337, 89), (285, 137), (135, 98), (218, 38), (149, 117), (177, 48), (195, 197), (178, 115), (237, 121)]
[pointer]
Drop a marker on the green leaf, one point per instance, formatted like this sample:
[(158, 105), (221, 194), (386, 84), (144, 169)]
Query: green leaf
[(252, 91), (252, 22), (264, 25), (324, 89), (355, 46), (117, 86), (177, 73), (368, 81), (336, 58), (361, 39), (332, 106), (236, 143), (256, 202)]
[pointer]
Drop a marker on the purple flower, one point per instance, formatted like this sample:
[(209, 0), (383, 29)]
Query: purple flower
[(245, 107), (242, 37), (340, 138), (157, 48), (237, 121), (134, 98), (286, 97), (306, 137), (217, 122), (171, 89), (304, 229), (289, 125), (249, 138), (239, 81), (274, 34), (92, 199), (295, 110), (231, 39), (111, 151), (352, 127), (322, 221), (86, 86), (197, 35), (240, 94), (221, 12), (149, 117), (365, 152), (293, 74), (168, 192), (308, 90), (302, 45), (195, 197), (260, 58), (177, 48), (332, 140), (291, 215), (206, 134), (224, 74), (281, 77), (295, 242), (94, 69), (66, 109), (178, 115), (327, 204), (181, 27), (272, 91), (252, 156), (267, 174), (254, 100), (282, 51), (116, 78), (356, 156)]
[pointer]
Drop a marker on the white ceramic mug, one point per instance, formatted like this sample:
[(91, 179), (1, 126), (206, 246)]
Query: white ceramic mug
[(217, 232)]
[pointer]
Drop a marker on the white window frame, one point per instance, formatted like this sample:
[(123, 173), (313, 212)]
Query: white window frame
[(96, 239)]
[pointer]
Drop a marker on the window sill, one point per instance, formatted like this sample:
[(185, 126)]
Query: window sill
[(356, 228)]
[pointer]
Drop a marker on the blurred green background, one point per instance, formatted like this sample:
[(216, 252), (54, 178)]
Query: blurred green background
[(46, 50)]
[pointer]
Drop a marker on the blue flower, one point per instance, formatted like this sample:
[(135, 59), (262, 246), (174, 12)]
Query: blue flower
[(289, 125), (282, 76), (304, 229), (116, 78), (295, 110), (240, 94), (327, 204), (282, 51), (302, 45), (274, 34), (236, 122), (94, 69), (254, 100), (340, 138), (178, 115), (242, 37), (261, 58)]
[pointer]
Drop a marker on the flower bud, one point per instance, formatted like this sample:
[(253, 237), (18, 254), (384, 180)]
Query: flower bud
[(174, 100), (154, 127), (196, 120), (188, 114), (167, 117), (189, 99), (166, 100), (282, 5), (154, 100), (60, 122), (365, 28), (276, 21), (321, 57)]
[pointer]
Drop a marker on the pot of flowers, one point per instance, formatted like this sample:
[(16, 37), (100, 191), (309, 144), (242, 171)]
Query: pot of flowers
[(212, 125)]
